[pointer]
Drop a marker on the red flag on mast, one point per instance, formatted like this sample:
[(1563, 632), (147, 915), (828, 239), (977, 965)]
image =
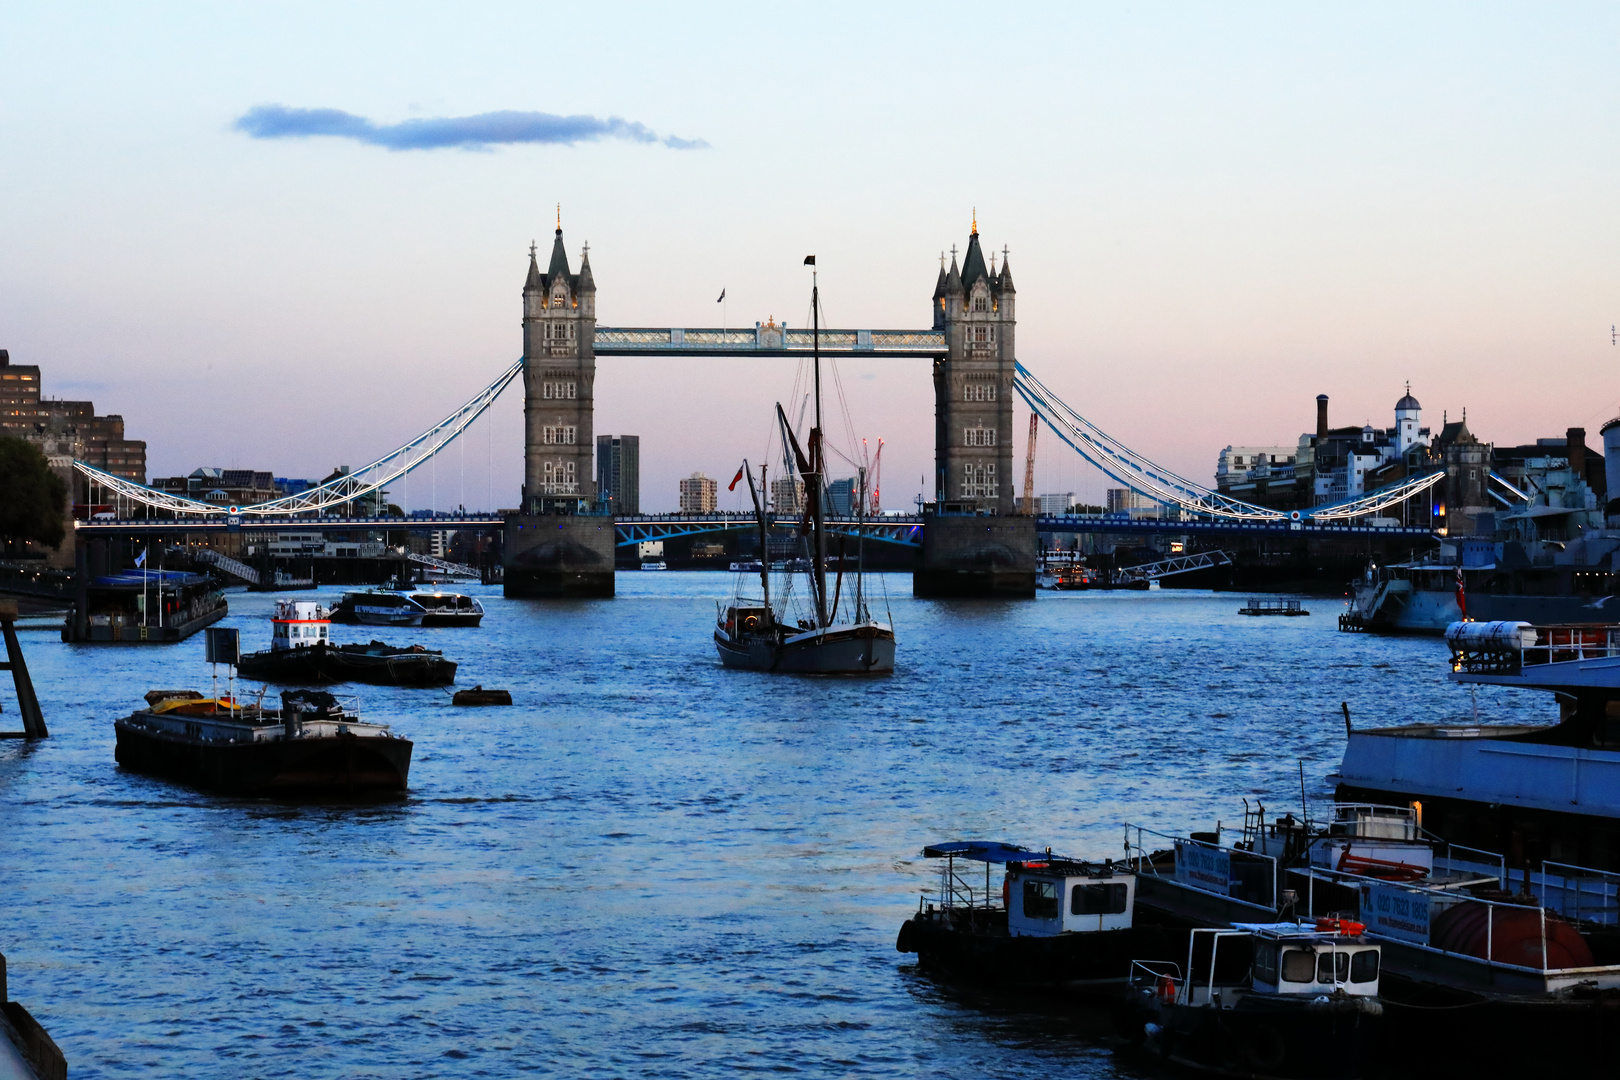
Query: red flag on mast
[(1462, 598), (735, 480)]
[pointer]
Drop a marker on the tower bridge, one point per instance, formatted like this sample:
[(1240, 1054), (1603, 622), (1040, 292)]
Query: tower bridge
[(562, 539)]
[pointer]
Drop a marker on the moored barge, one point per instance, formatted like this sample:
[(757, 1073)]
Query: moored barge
[(311, 745), (301, 651)]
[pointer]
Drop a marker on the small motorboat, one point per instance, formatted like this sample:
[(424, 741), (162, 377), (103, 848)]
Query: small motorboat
[(1308, 1008), (448, 609), (479, 696), (378, 607), (1045, 923)]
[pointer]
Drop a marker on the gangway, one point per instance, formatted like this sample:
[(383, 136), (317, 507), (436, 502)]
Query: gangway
[(1180, 564), (445, 566), (233, 567)]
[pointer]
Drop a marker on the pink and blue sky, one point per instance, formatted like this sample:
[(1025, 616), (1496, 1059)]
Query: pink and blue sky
[(288, 237)]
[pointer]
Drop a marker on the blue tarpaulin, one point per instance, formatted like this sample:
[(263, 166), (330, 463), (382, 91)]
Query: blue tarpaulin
[(989, 851)]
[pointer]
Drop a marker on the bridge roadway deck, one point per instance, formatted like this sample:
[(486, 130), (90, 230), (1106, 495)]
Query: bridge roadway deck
[(892, 528)]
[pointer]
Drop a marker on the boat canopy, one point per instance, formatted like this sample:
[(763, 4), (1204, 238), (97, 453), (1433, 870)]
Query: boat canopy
[(137, 579), (989, 851)]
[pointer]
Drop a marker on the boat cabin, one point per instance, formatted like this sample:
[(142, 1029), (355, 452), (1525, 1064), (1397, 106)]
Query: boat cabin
[(1057, 896), (299, 624), (1289, 959), (1375, 841)]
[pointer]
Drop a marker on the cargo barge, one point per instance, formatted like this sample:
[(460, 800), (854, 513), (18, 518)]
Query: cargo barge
[(312, 745)]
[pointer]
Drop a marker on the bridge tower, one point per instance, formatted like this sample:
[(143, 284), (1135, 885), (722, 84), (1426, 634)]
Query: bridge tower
[(561, 541), (974, 545)]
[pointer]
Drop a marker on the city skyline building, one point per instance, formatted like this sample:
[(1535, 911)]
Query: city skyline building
[(618, 473), (698, 494)]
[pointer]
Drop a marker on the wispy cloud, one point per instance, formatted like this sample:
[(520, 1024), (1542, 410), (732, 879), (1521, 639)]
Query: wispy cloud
[(478, 132)]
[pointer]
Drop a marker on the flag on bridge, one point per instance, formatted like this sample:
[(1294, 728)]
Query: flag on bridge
[(721, 297), (734, 481)]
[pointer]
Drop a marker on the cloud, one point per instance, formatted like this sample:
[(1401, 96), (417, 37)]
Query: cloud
[(478, 132)]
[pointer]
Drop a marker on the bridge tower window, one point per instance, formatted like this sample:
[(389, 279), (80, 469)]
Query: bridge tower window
[(981, 303), (979, 482), (978, 436), (563, 435), (560, 478), (984, 391)]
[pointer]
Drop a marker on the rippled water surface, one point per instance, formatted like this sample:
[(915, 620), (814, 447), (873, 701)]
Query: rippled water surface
[(650, 865)]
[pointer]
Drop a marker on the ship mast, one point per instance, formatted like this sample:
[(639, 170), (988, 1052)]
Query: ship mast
[(817, 456)]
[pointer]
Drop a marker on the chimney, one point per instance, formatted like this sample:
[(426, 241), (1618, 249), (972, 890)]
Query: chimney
[(1575, 450), (5, 357), (1321, 418)]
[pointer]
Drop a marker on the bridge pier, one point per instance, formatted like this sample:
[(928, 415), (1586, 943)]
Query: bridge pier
[(558, 556), (976, 556)]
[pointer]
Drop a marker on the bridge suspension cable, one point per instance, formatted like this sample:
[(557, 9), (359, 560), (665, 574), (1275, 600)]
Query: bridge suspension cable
[(1135, 471), (336, 492)]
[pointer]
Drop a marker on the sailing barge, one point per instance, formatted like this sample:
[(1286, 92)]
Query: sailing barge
[(839, 636)]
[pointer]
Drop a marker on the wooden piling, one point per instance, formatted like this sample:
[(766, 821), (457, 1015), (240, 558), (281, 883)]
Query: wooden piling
[(27, 703)]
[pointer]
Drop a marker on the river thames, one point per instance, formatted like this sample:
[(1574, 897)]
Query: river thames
[(650, 865)]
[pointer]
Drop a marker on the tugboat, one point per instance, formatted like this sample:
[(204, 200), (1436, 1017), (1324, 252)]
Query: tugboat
[(1053, 924), (311, 745), (301, 652), (378, 607), (1307, 1010), (448, 609), (751, 634)]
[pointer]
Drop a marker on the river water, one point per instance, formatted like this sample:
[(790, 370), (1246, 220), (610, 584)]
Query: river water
[(650, 865)]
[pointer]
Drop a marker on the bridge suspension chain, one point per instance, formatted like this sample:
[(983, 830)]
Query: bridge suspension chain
[(1135, 471), (337, 492)]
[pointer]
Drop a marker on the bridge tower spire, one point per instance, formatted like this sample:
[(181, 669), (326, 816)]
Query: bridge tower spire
[(973, 544), (973, 385), (559, 376)]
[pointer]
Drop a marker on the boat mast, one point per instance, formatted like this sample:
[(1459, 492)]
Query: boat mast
[(764, 544), (817, 456)]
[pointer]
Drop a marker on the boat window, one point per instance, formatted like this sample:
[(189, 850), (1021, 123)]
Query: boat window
[(1298, 966), (1107, 898), (1364, 966), (1265, 964), (1040, 900), (1333, 967)]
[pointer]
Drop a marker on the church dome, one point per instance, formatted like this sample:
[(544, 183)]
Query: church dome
[(1408, 402)]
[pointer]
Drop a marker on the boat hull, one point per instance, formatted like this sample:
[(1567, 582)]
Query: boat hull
[(341, 764), (867, 649), (319, 665), (453, 618), (1083, 965), (1275, 1038)]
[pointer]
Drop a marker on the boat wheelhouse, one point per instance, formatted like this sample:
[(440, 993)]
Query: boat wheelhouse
[(1044, 921), (1306, 1007)]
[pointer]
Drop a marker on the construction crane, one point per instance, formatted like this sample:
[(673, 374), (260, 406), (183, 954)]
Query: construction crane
[(1029, 468), (877, 470)]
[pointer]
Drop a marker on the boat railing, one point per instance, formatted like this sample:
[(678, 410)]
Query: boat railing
[(1581, 894), (1506, 652), (1160, 976), (956, 887), (1248, 877), (1408, 911), (1471, 862)]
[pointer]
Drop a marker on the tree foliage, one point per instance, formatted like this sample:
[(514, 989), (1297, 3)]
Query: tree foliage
[(32, 497)]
